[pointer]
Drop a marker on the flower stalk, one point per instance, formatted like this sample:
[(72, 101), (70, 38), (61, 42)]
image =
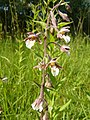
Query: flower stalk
[(40, 104), (44, 70)]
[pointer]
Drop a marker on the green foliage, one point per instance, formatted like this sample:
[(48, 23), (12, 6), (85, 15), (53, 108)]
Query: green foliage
[(69, 100), (80, 13), (62, 24)]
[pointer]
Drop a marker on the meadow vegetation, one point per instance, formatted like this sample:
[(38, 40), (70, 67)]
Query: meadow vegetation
[(21, 83), (19, 90)]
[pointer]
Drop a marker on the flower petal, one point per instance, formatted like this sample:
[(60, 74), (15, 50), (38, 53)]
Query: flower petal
[(29, 43), (41, 107), (33, 106), (64, 30), (66, 38), (54, 71), (65, 48), (37, 105)]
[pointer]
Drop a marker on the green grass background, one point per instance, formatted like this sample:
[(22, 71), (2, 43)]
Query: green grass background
[(19, 91)]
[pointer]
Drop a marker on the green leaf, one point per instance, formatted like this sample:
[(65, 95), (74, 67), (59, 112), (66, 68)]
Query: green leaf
[(88, 97), (43, 24), (38, 55), (37, 84), (63, 24), (59, 109), (64, 106), (52, 39), (45, 2), (5, 58)]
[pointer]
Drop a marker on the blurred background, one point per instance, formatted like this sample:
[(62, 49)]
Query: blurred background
[(14, 15)]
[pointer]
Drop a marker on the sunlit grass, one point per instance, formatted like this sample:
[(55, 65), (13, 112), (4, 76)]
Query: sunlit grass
[(19, 91)]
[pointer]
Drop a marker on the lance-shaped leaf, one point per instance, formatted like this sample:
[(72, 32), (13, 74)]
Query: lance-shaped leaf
[(43, 24), (62, 24), (64, 106), (59, 109)]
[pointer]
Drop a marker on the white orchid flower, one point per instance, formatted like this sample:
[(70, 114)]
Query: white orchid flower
[(29, 43), (54, 70), (66, 38), (54, 67), (31, 39), (37, 105)]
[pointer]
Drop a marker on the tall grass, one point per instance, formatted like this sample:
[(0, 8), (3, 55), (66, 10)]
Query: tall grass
[(71, 101)]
